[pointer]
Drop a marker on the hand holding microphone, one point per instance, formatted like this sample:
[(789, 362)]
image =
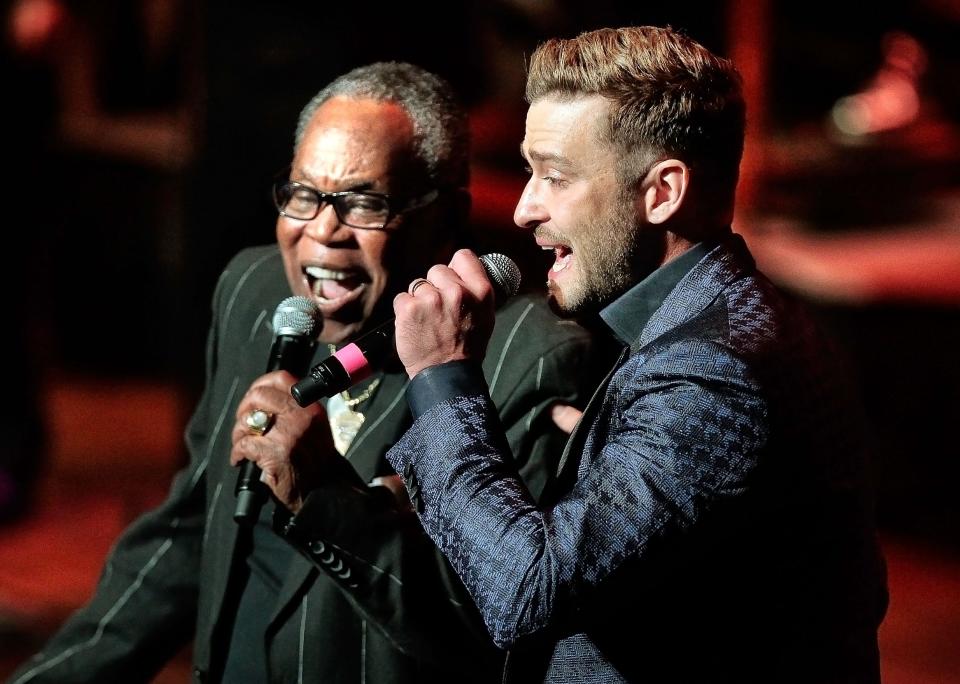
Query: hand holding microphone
[(296, 323), (449, 315), (458, 312)]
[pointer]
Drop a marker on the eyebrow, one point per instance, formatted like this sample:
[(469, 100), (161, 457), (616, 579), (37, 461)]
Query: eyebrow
[(363, 186), (533, 155)]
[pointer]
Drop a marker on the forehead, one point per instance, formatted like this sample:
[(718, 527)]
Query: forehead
[(565, 128), (356, 140)]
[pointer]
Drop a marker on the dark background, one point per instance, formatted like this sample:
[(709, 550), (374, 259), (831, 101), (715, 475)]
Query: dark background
[(141, 139)]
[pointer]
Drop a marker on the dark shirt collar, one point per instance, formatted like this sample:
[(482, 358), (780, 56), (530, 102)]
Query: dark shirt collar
[(627, 315)]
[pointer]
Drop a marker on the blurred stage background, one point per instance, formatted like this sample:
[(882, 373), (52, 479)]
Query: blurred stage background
[(141, 138)]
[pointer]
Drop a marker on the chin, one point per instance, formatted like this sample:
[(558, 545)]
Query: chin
[(581, 306), (335, 332), (557, 302)]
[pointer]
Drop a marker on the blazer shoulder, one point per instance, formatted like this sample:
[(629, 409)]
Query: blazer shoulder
[(252, 281), (250, 264), (529, 337)]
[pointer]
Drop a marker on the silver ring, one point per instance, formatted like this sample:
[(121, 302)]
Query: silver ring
[(259, 421), (415, 284)]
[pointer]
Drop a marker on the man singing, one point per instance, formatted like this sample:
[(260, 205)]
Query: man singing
[(710, 521)]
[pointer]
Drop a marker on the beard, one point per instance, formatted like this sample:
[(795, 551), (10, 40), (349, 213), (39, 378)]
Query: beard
[(613, 253)]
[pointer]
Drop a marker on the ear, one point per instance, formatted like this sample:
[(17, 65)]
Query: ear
[(665, 189)]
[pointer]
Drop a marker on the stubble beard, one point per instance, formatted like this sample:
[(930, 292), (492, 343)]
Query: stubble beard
[(610, 257)]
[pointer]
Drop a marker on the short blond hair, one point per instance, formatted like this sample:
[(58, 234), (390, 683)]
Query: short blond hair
[(669, 95)]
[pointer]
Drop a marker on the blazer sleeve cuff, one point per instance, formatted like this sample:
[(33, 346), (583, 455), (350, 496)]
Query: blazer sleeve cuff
[(437, 384)]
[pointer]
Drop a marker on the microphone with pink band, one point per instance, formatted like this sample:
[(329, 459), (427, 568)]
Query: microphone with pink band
[(356, 361)]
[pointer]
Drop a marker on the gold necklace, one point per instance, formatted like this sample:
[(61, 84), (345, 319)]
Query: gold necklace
[(345, 421), (360, 398)]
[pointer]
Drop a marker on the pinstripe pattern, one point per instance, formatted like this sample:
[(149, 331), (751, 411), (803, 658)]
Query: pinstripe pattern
[(506, 347), (377, 421), (304, 606), (102, 625), (370, 582)]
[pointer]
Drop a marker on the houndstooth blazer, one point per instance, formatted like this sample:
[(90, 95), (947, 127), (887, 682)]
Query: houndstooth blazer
[(711, 519)]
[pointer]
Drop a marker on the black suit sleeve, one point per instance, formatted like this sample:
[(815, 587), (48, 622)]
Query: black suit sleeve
[(145, 604)]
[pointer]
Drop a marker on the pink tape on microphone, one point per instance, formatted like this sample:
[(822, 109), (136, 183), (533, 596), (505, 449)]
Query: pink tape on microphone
[(354, 362)]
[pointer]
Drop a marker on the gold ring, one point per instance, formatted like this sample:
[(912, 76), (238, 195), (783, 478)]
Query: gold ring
[(417, 283), (259, 421)]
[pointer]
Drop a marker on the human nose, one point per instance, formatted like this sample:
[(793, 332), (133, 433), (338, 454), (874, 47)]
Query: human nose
[(530, 211), (326, 226)]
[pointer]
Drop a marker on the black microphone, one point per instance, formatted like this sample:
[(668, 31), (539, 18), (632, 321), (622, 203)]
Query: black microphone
[(296, 324), (355, 361)]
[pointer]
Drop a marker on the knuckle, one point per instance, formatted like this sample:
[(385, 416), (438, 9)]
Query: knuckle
[(437, 271), (401, 303), (433, 296)]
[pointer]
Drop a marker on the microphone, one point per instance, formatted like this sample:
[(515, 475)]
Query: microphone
[(296, 324), (355, 361)]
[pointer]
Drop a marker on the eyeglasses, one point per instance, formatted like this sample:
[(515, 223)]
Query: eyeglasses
[(369, 210)]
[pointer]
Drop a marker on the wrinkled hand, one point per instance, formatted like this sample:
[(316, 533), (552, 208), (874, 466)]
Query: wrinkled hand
[(450, 318), (295, 449)]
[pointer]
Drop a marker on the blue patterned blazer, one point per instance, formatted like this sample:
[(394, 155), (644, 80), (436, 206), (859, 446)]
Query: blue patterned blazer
[(711, 519)]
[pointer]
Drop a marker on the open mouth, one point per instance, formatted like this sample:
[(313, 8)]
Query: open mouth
[(332, 287), (561, 257)]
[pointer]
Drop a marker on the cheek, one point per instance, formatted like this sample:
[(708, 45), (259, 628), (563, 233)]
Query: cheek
[(566, 219), (376, 249), (287, 236), (573, 214), (287, 241)]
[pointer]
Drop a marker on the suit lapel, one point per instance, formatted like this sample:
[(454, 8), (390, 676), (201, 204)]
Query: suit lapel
[(573, 450), (695, 291), (387, 418)]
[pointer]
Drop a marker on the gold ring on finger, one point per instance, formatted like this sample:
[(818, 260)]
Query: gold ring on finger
[(259, 421)]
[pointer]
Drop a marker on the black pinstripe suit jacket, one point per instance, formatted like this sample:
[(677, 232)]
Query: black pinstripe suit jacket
[(368, 599)]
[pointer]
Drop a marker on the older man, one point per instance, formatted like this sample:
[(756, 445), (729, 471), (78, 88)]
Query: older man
[(348, 589)]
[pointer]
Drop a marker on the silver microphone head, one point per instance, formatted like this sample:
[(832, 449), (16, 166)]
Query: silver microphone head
[(297, 316), (503, 273)]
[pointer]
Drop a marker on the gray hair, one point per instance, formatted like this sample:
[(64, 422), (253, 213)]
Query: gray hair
[(441, 136)]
